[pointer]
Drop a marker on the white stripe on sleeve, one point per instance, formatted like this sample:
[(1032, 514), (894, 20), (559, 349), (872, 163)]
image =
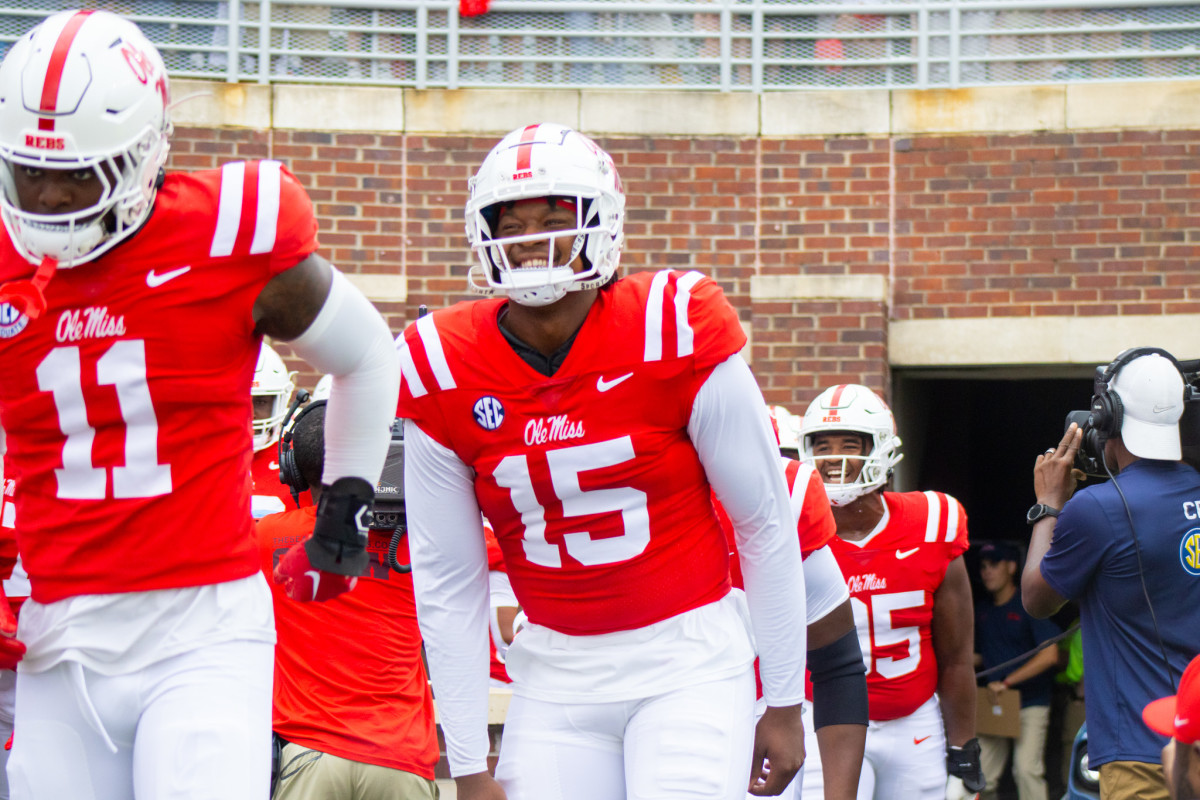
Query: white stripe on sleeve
[(427, 330), (229, 209), (266, 218)]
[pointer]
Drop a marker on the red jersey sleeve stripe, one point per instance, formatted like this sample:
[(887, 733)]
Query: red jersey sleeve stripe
[(266, 218), (933, 519), (654, 317), (229, 209), (685, 340), (427, 330)]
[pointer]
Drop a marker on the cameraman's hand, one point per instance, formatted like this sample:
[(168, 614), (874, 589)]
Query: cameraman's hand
[(1053, 475)]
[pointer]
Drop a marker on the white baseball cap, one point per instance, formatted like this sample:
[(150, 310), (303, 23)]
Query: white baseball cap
[(1151, 392)]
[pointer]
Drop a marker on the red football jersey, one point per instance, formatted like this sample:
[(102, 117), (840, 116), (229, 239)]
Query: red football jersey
[(892, 575), (127, 403), (15, 586), (264, 478), (815, 525), (596, 494), (349, 679)]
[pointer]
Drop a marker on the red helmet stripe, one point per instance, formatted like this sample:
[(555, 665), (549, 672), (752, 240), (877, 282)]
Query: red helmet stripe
[(525, 149), (54, 72), (836, 400)]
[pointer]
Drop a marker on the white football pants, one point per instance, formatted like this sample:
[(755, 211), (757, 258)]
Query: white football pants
[(695, 742), (196, 726), (905, 758)]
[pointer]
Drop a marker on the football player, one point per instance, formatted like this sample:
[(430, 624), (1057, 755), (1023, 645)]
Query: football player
[(901, 555), (270, 392), (133, 303), (589, 417), (838, 696)]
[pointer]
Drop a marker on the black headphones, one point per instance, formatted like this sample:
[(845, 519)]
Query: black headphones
[(289, 473), (1107, 410)]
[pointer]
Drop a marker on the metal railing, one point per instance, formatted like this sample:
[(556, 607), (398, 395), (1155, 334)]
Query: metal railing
[(731, 45)]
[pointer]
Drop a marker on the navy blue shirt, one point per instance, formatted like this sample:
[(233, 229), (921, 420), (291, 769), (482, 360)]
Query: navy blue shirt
[(1007, 631), (1092, 560)]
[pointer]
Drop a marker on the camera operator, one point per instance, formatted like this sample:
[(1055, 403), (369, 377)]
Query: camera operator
[(1126, 550)]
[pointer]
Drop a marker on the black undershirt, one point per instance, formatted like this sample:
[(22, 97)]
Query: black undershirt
[(546, 365)]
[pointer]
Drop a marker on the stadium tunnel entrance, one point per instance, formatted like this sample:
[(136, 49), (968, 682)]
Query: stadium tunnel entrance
[(976, 432)]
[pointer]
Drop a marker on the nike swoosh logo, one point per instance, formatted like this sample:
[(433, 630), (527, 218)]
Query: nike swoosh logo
[(273, 465), (316, 579), (923, 738), (906, 554), (156, 279), (1160, 409), (603, 385), (1181, 721)]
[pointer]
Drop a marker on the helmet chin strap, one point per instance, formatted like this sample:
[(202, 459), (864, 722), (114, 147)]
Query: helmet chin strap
[(28, 296)]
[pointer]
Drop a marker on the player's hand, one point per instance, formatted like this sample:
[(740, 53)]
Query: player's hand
[(778, 750), (304, 582), (965, 771), (956, 791), (12, 649), (1054, 478), (478, 786)]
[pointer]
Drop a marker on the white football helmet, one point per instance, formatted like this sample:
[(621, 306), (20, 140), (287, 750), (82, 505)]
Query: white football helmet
[(323, 388), (271, 379), (84, 90), (787, 428), (546, 160), (855, 408)]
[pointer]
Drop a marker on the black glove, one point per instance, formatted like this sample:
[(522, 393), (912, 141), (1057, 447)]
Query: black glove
[(339, 540), (963, 763)]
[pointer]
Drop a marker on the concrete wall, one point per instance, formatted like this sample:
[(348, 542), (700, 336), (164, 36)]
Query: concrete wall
[(854, 231)]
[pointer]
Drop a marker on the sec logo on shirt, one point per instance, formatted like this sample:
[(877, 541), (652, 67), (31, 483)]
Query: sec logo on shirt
[(488, 412), (12, 321), (1189, 551)]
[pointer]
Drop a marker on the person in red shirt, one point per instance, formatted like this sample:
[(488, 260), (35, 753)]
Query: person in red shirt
[(352, 705), (589, 417), (901, 555), (133, 304)]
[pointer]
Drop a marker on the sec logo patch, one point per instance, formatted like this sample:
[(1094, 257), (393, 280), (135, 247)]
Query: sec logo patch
[(12, 321), (1189, 551), (488, 412)]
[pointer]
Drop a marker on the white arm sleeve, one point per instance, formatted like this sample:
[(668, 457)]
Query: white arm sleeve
[(350, 340), (732, 434), (501, 596), (824, 587), (450, 580)]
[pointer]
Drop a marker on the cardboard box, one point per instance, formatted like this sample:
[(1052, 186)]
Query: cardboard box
[(998, 717)]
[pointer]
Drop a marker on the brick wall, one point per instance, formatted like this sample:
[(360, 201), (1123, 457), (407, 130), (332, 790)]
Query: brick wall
[(1056, 224)]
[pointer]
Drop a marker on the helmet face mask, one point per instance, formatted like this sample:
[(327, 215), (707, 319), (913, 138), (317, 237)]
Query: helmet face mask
[(117, 128), (272, 385), (852, 409), (567, 169)]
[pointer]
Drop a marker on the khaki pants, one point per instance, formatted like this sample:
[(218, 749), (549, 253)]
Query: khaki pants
[(1132, 780), (306, 774), (1029, 770)]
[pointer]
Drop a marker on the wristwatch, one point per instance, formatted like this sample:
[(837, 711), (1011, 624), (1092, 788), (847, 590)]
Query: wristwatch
[(1038, 511)]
